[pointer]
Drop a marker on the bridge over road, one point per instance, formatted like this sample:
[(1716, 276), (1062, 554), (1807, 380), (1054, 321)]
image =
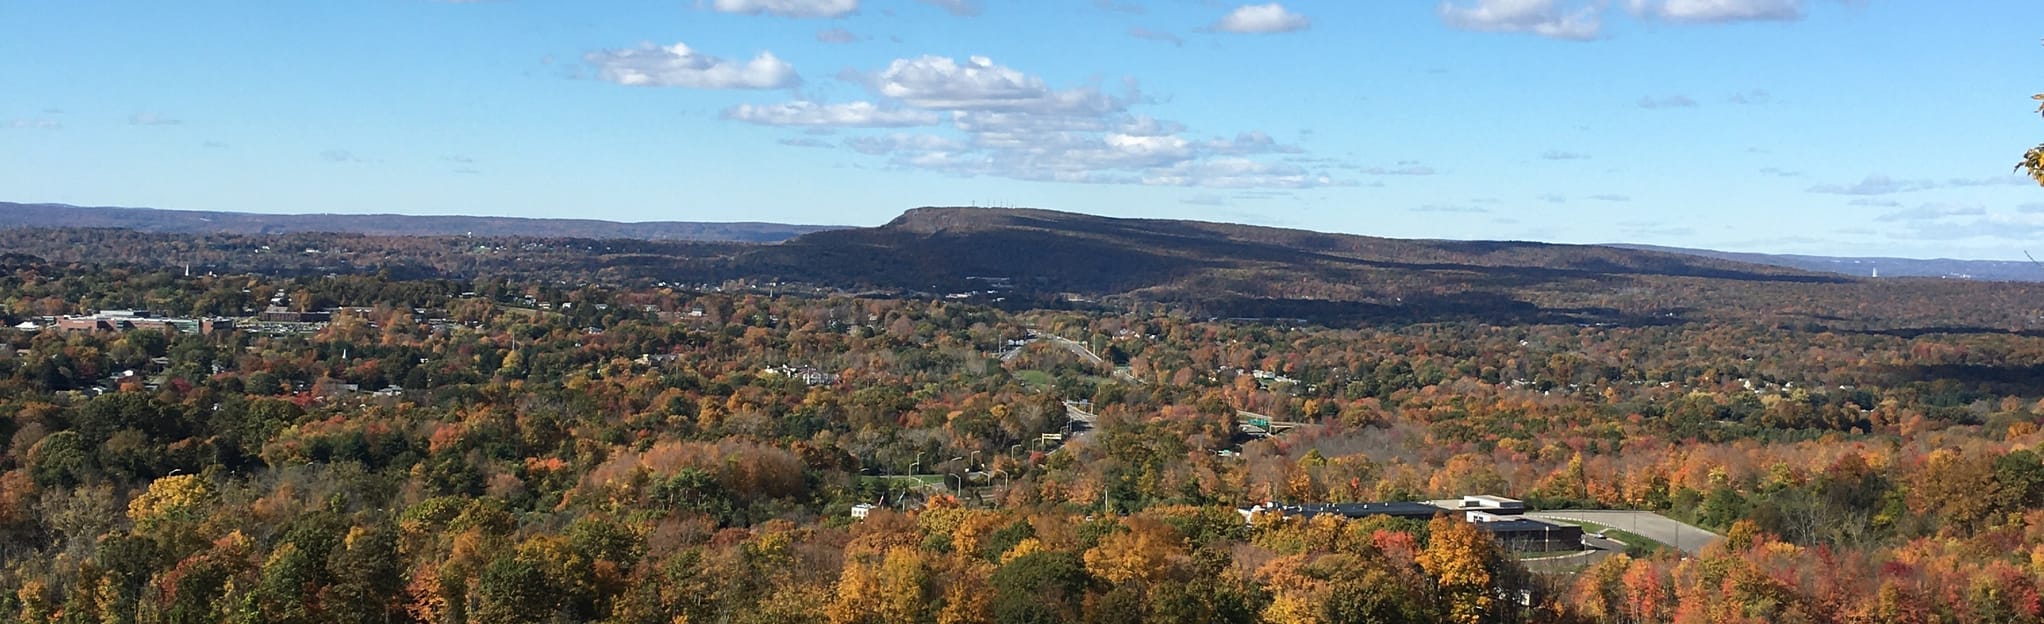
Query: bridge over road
[(1260, 425)]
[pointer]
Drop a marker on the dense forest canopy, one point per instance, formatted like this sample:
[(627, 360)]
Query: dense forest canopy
[(501, 449)]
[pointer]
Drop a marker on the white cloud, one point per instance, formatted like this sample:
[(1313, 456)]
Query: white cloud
[(937, 82), (152, 119), (1145, 125), (1582, 20), (961, 8), (847, 115), (1002, 122), (1546, 18), (1145, 156), (919, 144), (1563, 155), (679, 66), (1262, 18), (37, 124), (1711, 11), (1023, 124), (789, 8), (1253, 142)]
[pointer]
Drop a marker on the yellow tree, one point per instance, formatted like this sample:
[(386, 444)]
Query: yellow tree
[(895, 588), (1459, 556), (172, 511), (968, 596), (1295, 594), (1146, 553)]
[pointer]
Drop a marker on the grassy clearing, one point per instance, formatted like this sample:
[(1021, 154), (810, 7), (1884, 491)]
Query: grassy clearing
[(1635, 544), (1035, 378)]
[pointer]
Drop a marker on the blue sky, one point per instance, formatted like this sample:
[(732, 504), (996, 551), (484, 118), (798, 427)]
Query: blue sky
[(1868, 127)]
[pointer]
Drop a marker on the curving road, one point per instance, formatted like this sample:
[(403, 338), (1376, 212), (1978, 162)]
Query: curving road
[(1653, 526)]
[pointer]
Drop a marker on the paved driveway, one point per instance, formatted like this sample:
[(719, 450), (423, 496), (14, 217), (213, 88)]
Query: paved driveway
[(1649, 525)]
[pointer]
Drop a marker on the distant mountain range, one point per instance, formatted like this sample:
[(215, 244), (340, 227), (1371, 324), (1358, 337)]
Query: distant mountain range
[(1022, 258), (1992, 270), (14, 215)]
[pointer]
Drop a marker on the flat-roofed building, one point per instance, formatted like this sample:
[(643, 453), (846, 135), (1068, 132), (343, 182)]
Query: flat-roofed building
[(1504, 518)]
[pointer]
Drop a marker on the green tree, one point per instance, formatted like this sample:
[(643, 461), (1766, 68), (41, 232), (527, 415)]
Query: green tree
[(280, 589), (61, 459), (1039, 588), (367, 577), (513, 591)]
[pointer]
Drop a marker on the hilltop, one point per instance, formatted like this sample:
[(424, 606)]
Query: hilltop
[(1234, 270)]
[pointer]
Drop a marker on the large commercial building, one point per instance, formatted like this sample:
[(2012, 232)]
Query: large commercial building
[(130, 320)]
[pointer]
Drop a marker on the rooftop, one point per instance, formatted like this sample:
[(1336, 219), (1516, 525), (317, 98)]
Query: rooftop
[(1353, 510)]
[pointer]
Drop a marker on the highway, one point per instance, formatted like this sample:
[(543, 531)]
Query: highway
[(1085, 420)]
